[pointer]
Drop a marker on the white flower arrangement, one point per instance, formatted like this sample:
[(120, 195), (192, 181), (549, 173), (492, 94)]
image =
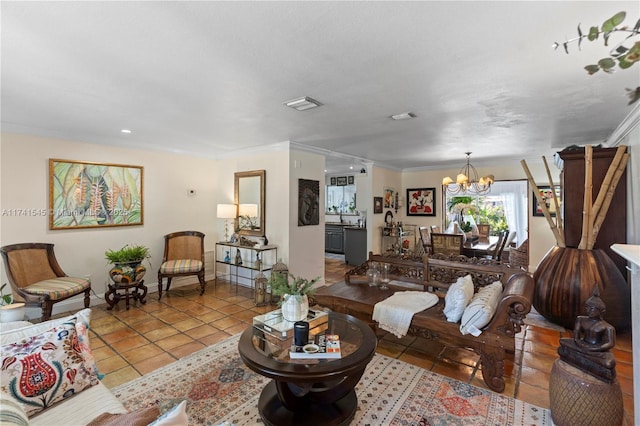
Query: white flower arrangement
[(464, 208)]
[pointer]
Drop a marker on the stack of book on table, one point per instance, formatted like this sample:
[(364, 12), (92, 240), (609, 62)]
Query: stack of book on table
[(322, 346), (279, 331)]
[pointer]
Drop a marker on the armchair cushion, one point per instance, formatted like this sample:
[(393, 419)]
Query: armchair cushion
[(59, 288), (180, 266), (457, 298), (44, 369), (11, 413), (481, 309)]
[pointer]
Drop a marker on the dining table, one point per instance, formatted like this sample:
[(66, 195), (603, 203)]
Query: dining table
[(479, 247)]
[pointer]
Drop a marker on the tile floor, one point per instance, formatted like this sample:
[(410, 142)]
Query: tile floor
[(128, 344)]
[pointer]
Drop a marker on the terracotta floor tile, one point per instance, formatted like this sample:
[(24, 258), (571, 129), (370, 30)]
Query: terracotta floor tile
[(104, 329), (214, 338), (230, 309), (538, 361), (461, 356), (187, 324), (188, 349), (160, 333), (216, 303), (171, 317), (201, 331), (149, 325), (129, 343), (536, 347), (113, 363), (103, 352), (224, 323), (139, 354), (174, 341), (390, 349), (453, 369), (534, 377), (120, 377), (533, 395), (122, 334), (154, 363), (417, 358), (238, 328), (245, 316), (211, 316)]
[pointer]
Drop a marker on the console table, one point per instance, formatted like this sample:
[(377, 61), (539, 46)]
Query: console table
[(254, 260)]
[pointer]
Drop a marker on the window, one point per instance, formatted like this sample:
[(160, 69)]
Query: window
[(341, 199), (504, 208)]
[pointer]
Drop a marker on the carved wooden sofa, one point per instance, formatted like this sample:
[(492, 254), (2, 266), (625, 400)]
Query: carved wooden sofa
[(435, 273)]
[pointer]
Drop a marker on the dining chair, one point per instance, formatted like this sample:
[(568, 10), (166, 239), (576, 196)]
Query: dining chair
[(484, 230), (425, 238), (495, 250), (519, 256), (183, 256), (446, 243), (435, 228), (37, 279)]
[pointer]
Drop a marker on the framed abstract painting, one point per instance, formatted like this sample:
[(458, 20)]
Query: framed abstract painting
[(94, 195), (421, 202)]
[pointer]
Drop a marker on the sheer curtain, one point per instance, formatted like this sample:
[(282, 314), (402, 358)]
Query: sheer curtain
[(515, 198)]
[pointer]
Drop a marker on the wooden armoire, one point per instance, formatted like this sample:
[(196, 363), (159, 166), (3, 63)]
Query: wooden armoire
[(614, 227)]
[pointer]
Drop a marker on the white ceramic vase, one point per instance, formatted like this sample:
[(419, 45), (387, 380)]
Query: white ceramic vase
[(295, 307)]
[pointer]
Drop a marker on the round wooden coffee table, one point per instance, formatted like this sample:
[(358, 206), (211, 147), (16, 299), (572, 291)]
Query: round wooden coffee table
[(311, 391)]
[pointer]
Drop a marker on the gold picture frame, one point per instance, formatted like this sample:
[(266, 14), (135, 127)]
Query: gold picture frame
[(84, 194)]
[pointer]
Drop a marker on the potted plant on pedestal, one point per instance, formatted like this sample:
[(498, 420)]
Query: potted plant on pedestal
[(295, 292), (10, 311), (127, 263)]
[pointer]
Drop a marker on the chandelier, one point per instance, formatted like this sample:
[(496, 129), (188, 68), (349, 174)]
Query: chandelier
[(467, 181)]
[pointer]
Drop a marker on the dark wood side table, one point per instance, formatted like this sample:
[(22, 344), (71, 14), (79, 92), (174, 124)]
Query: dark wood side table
[(138, 293), (310, 392)]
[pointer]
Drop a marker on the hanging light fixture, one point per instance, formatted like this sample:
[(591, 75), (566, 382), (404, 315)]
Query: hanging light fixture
[(467, 181)]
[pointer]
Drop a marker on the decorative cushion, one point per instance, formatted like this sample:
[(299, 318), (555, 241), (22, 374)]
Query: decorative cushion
[(11, 413), (82, 328), (59, 288), (177, 416), (139, 417), (42, 370), (457, 298), (481, 309), (180, 266)]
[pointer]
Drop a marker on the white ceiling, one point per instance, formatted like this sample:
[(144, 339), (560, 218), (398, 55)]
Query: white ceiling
[(210, 78)]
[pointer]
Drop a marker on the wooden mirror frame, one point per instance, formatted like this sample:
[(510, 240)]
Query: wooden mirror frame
[(261, 205)]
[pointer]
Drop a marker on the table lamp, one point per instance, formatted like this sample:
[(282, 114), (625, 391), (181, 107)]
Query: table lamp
[(226, 212)]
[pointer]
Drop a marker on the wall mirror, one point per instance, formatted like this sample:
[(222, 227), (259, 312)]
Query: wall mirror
[(249, 193)]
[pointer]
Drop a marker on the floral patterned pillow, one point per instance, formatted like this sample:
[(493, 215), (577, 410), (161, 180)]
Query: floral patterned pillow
[(42, 370)]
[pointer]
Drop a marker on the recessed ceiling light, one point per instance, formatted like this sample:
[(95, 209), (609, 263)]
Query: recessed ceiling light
[(302, 104), (403, 116), (127, 131)]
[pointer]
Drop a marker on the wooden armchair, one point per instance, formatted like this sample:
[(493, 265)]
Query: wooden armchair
[(37, 279), (183, 256), (446, 243)]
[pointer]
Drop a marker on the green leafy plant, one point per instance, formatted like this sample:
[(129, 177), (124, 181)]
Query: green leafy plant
[(286, 283), (624, 56), (134, 253), (5, 299)]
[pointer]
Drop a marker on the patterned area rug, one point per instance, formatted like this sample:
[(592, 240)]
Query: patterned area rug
[(219, 388)]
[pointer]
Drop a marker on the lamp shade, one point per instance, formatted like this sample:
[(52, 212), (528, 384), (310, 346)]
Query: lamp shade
[(226, 211), (249, 210)]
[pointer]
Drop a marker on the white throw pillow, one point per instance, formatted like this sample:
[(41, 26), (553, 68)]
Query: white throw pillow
[(457, 298), (481, 309)]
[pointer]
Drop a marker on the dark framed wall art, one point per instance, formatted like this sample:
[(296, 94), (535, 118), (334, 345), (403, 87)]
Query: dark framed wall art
[(377, 205), (94, 195), (308, 202), (421, 202)]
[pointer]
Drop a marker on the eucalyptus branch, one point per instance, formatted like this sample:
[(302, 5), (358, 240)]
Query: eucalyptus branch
[(625, 56)]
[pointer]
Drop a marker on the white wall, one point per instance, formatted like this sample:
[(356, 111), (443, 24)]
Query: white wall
[(80, 252), (381, 178), (306, 243)]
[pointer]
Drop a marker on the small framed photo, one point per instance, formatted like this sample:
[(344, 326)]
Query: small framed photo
[(341, 180), (421, 202), (377, 205), (389, 198), (332, 180), (547, 196), (350, 180)]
